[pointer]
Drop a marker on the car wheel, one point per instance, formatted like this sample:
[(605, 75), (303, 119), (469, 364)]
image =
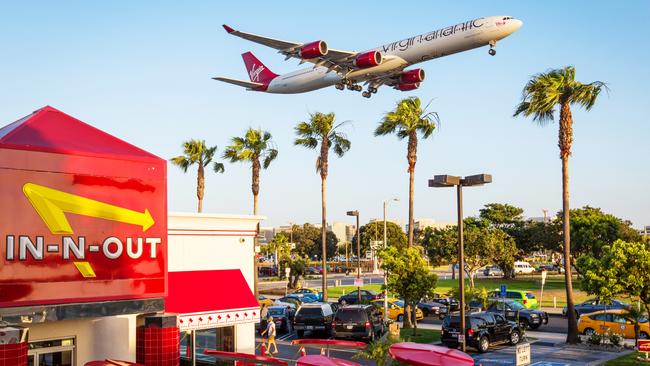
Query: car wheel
[(425, 312), (588, 332), (535, 326), (300, 333), (643, 335), (400, 318), (514, 337), (483, 344)]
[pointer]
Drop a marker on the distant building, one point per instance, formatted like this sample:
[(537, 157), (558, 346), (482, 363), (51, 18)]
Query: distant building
[(344, 232), (266, 234), (421, 224)]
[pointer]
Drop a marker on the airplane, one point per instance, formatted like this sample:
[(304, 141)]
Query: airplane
[(384, 65)]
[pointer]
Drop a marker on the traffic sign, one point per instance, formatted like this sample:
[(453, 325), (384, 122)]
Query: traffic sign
[(544, 277), (522, 354), (358, 282), (502, 290), (287, 271)]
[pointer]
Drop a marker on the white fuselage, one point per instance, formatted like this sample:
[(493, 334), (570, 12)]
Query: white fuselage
[(401, 54)]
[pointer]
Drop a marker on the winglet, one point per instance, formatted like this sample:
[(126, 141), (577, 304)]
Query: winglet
[(227, 28)]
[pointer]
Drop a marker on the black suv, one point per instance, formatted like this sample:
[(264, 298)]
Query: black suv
[(358, 322), (366, 297), (483, 329), (315, 316), (513, 310)]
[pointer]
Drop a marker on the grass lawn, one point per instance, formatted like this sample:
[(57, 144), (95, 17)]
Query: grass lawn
[(627, 360), (422, 336), (554, 287)]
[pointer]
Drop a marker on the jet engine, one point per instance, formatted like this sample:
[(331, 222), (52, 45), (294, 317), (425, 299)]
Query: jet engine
[(412, 76), (368, 59), (313, 50), (407, 86)]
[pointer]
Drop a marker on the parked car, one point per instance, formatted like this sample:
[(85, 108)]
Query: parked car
[(451, 303), (267, 272), (596, 304), (305, 296), (282, 316), (612, 321), (525, 298), (263, 300), (493, 271), (358, 322), (432, 308), (523, 268), (482, 330), (366, 297), (317, 316), (395, 309), (308, 292), (513, 310), (295, 300)]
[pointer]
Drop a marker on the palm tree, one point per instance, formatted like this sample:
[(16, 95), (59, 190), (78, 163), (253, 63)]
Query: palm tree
[(195, 152), (540, 96), (322, 130), (257, 148), (407, 120)]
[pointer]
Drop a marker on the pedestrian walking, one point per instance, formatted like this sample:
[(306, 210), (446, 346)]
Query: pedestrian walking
[(270, 333)]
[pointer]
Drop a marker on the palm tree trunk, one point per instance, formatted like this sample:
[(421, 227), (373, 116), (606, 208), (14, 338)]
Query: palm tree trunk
[(323, 232), (255, 187), (200, 186), (411, 156), (564, 143)]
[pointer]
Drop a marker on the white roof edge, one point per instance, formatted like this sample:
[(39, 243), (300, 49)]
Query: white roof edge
[(218, 216)]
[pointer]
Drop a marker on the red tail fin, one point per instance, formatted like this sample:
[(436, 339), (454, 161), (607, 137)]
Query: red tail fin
[(257, 71)]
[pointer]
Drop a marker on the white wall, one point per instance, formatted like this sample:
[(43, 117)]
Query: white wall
[(213, 242), (96, 339)]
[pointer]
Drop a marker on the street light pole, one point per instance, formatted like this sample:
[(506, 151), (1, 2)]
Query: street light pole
[(385, 274), (461, 261), (356, 213), (450, 181)]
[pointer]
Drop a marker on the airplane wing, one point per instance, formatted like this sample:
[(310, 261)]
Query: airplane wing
[(337, 60), (245, 84)]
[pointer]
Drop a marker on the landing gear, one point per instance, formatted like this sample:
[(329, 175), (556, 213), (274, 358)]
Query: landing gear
[(493, 45), (339, 86), (366, 94), (372, 89), (354, 87)]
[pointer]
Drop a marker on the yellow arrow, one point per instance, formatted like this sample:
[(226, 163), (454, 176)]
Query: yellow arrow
[(52, 205)]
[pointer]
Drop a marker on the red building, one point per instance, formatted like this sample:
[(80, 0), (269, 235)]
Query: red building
[(84, 253)]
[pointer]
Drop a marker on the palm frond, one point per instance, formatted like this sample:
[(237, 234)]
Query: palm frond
[(218, 167), (270, 156)]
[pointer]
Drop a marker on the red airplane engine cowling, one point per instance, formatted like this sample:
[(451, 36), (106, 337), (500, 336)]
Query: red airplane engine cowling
[(313, 50), (407, 86), (368, 59), (412, 76)]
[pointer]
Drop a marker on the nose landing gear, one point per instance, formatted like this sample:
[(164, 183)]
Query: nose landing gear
[(493, 45)]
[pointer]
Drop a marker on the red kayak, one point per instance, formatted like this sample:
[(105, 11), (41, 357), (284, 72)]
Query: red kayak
[(417, 354)]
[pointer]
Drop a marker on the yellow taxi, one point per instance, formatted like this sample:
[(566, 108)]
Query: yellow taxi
[(263, 300), (612, 321), (395, 309)]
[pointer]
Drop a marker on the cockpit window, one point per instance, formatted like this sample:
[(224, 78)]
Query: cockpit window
[(506, 18)]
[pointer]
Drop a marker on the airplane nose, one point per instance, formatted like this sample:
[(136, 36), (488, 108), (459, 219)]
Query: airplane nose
[(516, 23)]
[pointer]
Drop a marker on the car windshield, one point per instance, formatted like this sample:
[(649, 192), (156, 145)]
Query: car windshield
[(308, 299), (399, 303), (530, 295), (346, 315), (276, 311), (308, 311)]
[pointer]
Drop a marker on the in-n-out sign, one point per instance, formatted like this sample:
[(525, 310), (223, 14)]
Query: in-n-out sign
[(25, 248)]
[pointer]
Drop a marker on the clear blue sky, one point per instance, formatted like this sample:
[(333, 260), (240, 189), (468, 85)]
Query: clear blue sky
[(141, 71)]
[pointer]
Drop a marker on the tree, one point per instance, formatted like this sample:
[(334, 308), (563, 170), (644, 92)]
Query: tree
[(305, 237), (256, 148), (485, 244), (195, 152), (441, 245), (407, 120), (375, 231), (298, 268), (621, 268), (501, 215), (330, 246), (540, 96), (591, 229), (322, 130), (408, 275)]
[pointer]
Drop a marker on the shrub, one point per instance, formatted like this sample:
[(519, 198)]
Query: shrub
[(595, 339), (615, 339)]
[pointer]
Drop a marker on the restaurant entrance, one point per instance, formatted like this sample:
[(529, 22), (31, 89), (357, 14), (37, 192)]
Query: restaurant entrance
[(53, 352)]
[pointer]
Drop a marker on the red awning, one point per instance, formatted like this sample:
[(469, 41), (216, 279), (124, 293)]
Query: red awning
[(318, 360), (108, 362), (244, 357), (418, 354), (205, 299)]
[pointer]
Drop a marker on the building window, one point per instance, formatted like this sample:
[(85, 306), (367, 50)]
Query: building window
[(194, 342), (52, 352)]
